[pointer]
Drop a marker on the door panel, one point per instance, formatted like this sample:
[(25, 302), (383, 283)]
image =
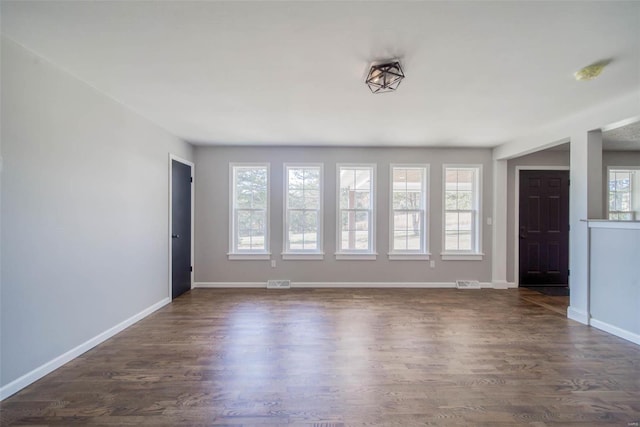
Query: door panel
[(544, 228), (180, 228)]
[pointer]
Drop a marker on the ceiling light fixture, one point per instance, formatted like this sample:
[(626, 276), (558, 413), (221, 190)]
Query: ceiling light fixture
[(384, 77), (592, 71)]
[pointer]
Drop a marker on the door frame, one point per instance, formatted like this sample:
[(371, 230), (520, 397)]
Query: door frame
[(516, 222), (173, 157)]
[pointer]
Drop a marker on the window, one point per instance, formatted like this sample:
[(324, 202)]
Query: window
[(303, 212), (249, 211), (461, 212), (624, 197), (408, 212), (356, 214)]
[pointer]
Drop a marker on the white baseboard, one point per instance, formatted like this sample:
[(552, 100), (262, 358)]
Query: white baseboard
[(578, 315), (425, 285), (500, 284), (31, 377), (614, 330), (223, 285)]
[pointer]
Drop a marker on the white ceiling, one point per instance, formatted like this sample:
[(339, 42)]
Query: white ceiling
[(478, 73)]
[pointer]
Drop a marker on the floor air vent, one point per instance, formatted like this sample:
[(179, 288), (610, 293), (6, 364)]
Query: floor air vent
[(467, 284), (278, 284)]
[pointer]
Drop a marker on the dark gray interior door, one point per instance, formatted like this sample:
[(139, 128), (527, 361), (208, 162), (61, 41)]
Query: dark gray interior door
[(180, 228), (544, 228)]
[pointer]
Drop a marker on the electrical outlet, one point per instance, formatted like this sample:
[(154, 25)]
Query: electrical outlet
[(489, 221), (432, 264), (273, 263)]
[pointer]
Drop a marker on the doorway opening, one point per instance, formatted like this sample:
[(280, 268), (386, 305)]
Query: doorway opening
[(543, 230), (180, 225)]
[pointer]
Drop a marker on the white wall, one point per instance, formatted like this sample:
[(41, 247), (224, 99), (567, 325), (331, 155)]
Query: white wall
[(84, 213), (212, 217)]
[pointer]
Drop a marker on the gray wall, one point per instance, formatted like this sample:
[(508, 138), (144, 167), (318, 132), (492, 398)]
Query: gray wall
[(554, 158), (615, 279), (541, 158), (84, 212), (212, 217)]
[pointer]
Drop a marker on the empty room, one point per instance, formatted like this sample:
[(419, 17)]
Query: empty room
[(320, 213)]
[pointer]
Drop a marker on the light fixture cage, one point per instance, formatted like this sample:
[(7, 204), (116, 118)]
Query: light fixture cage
[(384, 77)]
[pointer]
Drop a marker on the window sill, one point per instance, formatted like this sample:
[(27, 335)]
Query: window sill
[(249, 257), (293, 256), (453, 256), (347, 256), (397, 256)]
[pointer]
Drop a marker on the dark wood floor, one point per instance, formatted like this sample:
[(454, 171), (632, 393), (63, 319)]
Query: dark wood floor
[(345, 357)]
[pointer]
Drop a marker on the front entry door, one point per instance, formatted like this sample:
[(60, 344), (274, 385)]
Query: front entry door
[(180, 228), (544, 228)]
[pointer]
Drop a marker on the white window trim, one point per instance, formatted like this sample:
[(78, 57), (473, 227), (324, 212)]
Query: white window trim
[(302, 254), (233, 254), (635, 201), (357, 255), (410, 255), (474, 254)]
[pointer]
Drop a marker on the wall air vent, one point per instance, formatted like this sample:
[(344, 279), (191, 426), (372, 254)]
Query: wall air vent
[(467, 284), (278, 284)]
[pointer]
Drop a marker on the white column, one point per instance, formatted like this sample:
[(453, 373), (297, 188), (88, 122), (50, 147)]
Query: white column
[(499, 231), (585, 200)]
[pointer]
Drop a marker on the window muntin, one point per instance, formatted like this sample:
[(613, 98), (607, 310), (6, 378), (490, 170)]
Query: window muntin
[(461, 209), (303, 208), (356, 208), (250, 209), (623, 195), (408, 209)]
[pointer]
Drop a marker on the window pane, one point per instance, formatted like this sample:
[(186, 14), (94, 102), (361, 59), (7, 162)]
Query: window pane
[(464, 241), (312, 199), (465, 221), (399, 178), (414, 200), (362, 240), (465, 200), (400, 200), (400, 241), (312, 178), (414, 224), (296, 178), (400, 221), (414, 242), (465, 178), (362, 199), (451, 200), (362, 220), (296, 199), (363, 179), (451, 221), (451, 241)]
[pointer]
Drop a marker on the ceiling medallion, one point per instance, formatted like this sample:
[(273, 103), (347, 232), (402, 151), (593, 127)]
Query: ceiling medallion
[(384, 77)]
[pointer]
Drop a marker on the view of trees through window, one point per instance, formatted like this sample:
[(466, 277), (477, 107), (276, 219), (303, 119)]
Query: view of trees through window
[(460, 208), (408, 202), (621, 195), (355, 208), (250, 202), (303, 205)]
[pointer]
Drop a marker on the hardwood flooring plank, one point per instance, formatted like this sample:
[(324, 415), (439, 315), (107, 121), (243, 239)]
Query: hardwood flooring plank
[(345, 357)]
